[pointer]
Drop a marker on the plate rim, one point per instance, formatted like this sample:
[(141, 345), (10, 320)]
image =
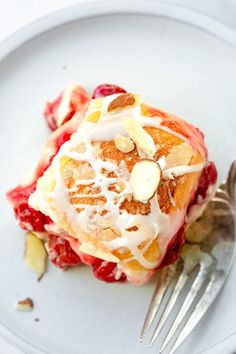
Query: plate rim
[(94, 8)]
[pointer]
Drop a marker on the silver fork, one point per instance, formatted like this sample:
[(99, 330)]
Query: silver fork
[(206, 264)]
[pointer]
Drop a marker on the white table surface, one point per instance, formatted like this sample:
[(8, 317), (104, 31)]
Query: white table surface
[(15, 14)]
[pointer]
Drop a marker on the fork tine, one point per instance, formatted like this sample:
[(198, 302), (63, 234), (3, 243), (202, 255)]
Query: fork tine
[(196, 286), (163, 282), (183, 277), (221, 193), (231, 183), (206, 300)]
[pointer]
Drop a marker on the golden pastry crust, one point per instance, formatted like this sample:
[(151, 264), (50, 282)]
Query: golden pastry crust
[(172, 195)]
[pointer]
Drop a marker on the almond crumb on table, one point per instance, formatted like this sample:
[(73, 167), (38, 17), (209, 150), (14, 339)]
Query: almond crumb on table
[(24, 305)]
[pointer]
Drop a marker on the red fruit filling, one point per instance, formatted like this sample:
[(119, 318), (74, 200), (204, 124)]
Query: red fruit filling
[(65, 136), (208, 177), (78, 99), (106, 271), (102, 270), (50, 112), (21, 193), (107, 90), (29, 219), (60, 253), (174, 248)]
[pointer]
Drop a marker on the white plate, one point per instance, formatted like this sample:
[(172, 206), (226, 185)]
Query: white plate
[(177, 59)]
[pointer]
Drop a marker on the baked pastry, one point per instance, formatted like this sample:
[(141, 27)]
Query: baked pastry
[(121, 190)]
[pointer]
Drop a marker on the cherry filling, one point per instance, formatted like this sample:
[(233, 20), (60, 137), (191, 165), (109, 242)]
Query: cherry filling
[(174, 248), (21, 193), (106, 90), (29, 219), (50, 112), (78, 98), (107, 271), (62, 138), (208, 178), (102, 270), (77, 101), (60, 252)]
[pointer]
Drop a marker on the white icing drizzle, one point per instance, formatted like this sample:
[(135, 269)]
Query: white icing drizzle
[(181, 170), (89, 219), (151, 225), (111, 124), (162, 162)]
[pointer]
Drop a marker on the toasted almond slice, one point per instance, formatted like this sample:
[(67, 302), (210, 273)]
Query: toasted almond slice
[(122, 101), (24, 305), (35, 254), (145, 178), (123, 143), (143, 140)]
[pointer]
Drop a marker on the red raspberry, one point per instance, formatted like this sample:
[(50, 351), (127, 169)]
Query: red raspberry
[(78, 99), (208, 178), (42, 167), (102, 270), (50, 112), (58, 142), (106, 90), (173, 248), (200, 132), (29, 218), (61, 254), (21, 194), (63, 137), (106, 271)]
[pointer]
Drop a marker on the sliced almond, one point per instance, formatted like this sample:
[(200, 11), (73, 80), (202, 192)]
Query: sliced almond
[(35, 254), (123, 143), (122, 101), (143, 140), (179, 155), (24, 305), (145, 178)]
